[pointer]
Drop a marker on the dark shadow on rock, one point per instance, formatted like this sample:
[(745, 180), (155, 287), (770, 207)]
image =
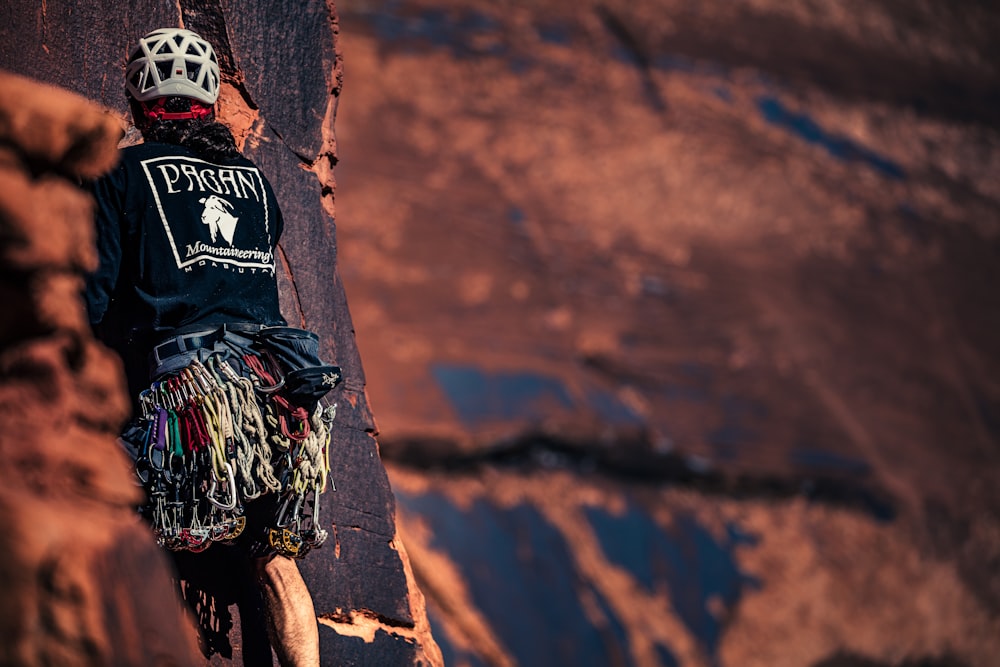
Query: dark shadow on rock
[(842, 659), (638, 463), (212, 582)]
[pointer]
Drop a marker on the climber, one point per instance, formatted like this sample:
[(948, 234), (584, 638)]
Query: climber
[(186, 233)]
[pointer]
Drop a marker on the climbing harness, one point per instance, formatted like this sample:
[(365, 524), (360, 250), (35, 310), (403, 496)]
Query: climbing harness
[(221, 432)]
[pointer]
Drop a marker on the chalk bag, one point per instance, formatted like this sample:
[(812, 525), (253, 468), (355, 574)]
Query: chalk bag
[(295, 362)]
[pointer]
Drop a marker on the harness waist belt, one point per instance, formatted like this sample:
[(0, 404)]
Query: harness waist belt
[(195, 340)]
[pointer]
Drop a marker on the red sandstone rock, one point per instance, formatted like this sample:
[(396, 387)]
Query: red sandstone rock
[(83, 581), (54, 131)]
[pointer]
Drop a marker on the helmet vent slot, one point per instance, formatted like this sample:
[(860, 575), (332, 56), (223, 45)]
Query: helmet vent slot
[(163, 68)]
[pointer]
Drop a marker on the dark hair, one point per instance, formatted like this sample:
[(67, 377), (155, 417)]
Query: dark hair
[(205, 137)]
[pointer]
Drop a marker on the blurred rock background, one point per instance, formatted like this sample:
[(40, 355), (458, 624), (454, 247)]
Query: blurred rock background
[(679, 323)]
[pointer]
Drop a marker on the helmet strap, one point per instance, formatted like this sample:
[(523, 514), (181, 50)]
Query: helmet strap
[(156, 111)]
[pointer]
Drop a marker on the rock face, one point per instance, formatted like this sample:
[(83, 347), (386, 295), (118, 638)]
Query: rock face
[(83, 581), (678, 317), (679, 322), (281, 82)]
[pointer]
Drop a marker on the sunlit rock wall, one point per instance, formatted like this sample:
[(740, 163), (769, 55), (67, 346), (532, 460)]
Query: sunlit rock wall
[(680, 322), (83, 582), (282, 79)]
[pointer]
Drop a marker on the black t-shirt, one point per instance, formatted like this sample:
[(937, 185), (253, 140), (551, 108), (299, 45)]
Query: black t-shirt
[(182, 241)]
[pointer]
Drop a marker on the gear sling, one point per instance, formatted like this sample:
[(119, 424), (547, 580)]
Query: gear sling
[(236, 413)]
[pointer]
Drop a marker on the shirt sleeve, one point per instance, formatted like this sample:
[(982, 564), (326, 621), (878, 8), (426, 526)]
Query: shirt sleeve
[(110, 223), (279, 220), (279, 225)]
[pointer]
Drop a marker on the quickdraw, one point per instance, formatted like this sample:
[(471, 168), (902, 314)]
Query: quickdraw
[(216, 439), (306, 471), (281, 406)]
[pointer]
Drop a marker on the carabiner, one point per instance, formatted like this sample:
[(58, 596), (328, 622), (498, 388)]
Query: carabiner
[(282, 519), (156, 458), (231, 485)]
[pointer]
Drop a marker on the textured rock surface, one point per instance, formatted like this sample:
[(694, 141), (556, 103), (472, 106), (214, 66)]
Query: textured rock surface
[(83, 582), (281, 70), (747, 248)]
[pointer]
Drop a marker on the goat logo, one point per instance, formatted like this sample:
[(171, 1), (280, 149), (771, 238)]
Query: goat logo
[(218, 216)]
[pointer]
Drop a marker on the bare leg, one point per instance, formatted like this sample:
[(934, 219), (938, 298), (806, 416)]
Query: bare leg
[(291, 618)]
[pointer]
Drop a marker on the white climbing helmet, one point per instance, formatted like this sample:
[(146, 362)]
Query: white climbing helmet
[(173, 61)]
